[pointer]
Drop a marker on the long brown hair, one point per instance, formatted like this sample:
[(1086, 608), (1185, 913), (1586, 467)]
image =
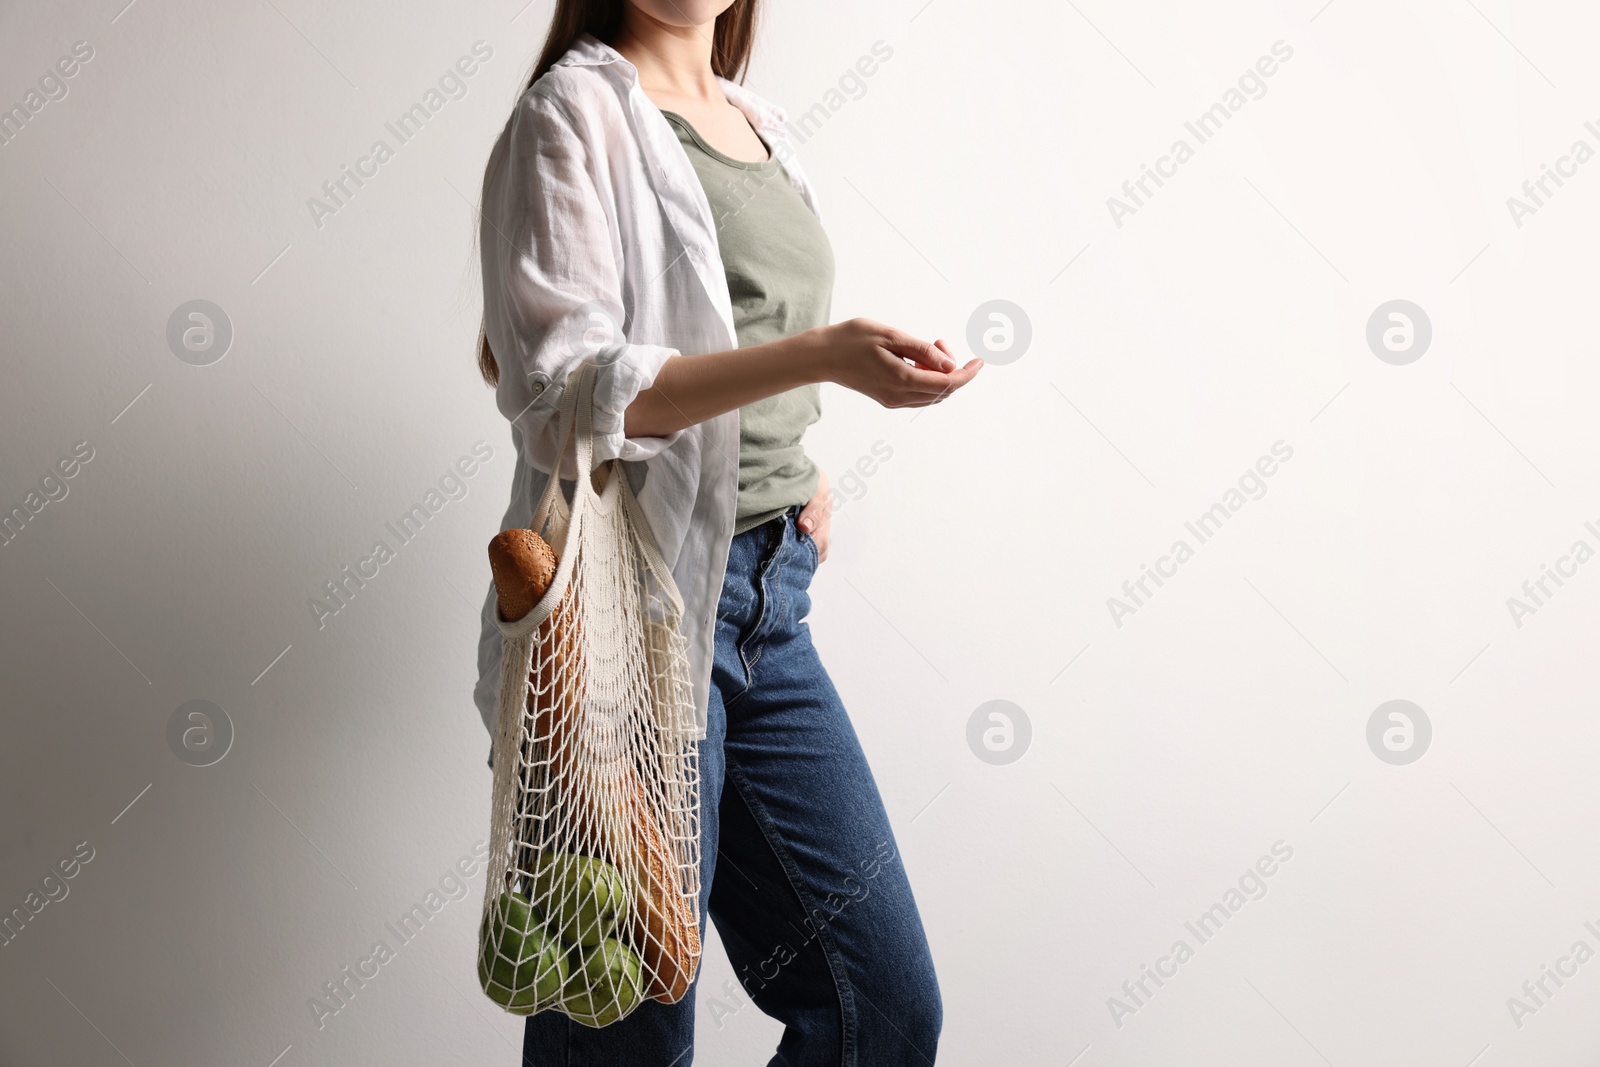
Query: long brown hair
[(731, 44)]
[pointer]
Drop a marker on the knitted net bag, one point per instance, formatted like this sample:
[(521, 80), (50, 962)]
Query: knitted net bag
[(592, 900)]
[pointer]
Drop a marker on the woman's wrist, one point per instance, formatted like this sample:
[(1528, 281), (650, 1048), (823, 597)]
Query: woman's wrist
[(813, 353)]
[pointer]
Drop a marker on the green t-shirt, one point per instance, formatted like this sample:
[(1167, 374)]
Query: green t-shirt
[(780, 277)]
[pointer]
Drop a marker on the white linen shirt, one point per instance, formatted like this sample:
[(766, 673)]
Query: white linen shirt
[(593, 215)]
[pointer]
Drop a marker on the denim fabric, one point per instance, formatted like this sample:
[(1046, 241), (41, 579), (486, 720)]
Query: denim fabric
[(800, 871)]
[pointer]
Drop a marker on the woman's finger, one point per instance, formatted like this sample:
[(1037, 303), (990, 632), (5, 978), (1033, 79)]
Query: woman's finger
[(942, 385), (925, 353), (814, 515)]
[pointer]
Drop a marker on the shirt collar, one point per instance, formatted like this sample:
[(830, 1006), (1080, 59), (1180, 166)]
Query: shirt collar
[(589, 51)]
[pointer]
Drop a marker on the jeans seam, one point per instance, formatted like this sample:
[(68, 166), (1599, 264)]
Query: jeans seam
[(769, 566), (830, 950)]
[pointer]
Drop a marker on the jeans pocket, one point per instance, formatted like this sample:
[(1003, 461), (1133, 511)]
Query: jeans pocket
[(811, 545), (806, 541)]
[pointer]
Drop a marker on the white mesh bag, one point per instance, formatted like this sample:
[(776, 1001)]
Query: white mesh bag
[(593, 889)]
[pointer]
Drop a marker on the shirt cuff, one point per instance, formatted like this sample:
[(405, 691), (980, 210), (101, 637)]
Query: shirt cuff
[(624, 374)]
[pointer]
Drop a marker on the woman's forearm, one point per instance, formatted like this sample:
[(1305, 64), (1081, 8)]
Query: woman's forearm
[(691, 389)]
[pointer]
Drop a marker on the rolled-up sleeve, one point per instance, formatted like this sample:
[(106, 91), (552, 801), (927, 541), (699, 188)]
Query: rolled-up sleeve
[(552, 285)]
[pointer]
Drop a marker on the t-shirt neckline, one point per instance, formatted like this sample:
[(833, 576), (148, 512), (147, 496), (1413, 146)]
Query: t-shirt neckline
[(742, 164)]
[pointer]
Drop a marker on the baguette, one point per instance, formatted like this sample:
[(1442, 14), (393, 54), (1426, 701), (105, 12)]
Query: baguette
[(664, 928), (524, 566)]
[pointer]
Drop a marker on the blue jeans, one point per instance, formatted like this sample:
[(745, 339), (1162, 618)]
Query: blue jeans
[(799, 868)]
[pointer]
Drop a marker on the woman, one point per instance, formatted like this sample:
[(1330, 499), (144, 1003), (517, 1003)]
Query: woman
[(643, 210)]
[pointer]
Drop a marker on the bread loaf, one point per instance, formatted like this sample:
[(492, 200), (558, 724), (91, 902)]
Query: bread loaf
[(665, 932), (524, 566)]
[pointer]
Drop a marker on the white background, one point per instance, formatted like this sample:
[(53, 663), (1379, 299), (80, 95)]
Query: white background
[(1168, 353)]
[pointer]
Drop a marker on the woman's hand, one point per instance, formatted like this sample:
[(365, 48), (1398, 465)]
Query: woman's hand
[(870, 358), (817, 516)]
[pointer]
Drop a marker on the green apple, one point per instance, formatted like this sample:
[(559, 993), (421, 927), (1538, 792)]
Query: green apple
[(606, 982), (580, 897), (520, 965)]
